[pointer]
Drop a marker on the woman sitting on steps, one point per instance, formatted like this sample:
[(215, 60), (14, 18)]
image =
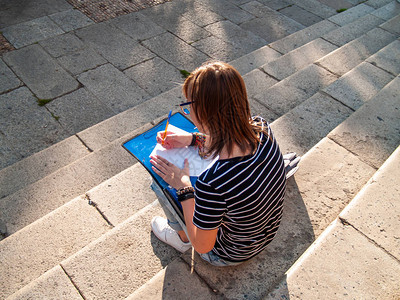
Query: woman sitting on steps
[(234, 210)]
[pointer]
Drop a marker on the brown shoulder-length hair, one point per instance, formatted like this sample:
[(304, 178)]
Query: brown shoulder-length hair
[(220, 104)]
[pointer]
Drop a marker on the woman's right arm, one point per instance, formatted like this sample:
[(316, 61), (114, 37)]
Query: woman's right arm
[(174, 140)]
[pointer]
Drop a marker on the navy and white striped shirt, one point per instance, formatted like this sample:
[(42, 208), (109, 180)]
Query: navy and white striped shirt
[(243, 198)]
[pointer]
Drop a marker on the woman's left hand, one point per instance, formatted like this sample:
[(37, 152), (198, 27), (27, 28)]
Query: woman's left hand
[(174, 176)]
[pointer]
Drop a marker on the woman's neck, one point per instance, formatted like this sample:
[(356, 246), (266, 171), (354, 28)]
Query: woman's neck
[(236, 152)]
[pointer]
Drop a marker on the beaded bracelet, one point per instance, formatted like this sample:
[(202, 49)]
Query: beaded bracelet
[(185, 193), (186, 196), (199, 140)]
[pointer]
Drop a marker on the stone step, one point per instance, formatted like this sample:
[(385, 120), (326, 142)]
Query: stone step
[(111, 255), (64, 231), (327, 173), (40, 198), (307, 123), (96, 136), (372, 132), (116, 212), (103, 205), (350, 55), (44, 163), (298, 59), (357, 256), (136, 257), (312, 77), (315, 31)]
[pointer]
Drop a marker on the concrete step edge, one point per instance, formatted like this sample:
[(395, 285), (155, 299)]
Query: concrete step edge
[(308, 153), (66, 183), (156, 284), (281, 289), (37, 166), (110, 232), (255, 59), (153, 122)]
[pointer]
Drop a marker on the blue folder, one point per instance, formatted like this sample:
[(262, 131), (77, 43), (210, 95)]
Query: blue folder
[(142, 145)]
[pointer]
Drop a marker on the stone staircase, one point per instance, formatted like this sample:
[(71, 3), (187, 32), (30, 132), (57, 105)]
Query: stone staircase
[(77, 213)]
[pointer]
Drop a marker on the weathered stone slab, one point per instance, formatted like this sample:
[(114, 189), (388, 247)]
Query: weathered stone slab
[(303, 36), (372, 132), (219, 49), (137, 26), (393, 25), (344, 264), (130, 122), (81, 61), (300, 15), (316, 8), (351, 14), (258, 109), (338, 4), (305, 125), (356, 2), (388, 11), (8, 156), (41, 164), (332, 175), (200, 15), (169, 17), (8, 80), (295, 89), (243, 39), (176, 52), (257, 58), (350, 55), (40, 198), (27, 33), (298, 59), (378, 3), (257, 82), (121, 196), (175, 282), (54, 284), (328, 178), (146, 76), (387, 58), (351, 31), (47, 242), (114, 45), (79, 110), (126, 258), (227, 10), (28, 127), (71, 19), (40, 72), (113, 88), (61, 45), (276, 4), (359, 85), (15, 12), (375, 211), (270, 25)]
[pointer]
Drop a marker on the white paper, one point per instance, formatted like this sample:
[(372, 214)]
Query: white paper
[(177, 155)]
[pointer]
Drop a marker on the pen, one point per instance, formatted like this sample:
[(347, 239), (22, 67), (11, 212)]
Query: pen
[(166, 127)]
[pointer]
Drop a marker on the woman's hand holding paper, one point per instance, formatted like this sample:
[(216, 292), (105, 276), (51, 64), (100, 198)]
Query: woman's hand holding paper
[(171, 174)]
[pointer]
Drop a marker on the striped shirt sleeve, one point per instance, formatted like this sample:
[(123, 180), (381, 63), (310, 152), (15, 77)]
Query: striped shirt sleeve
[(209, 207)]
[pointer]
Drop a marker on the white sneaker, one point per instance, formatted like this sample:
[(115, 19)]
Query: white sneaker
[(169, 236)]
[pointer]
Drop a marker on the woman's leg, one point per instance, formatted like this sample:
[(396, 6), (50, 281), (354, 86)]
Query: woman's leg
[(174, 220)]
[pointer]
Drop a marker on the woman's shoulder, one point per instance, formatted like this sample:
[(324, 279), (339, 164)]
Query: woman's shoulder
[(259, 119)]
